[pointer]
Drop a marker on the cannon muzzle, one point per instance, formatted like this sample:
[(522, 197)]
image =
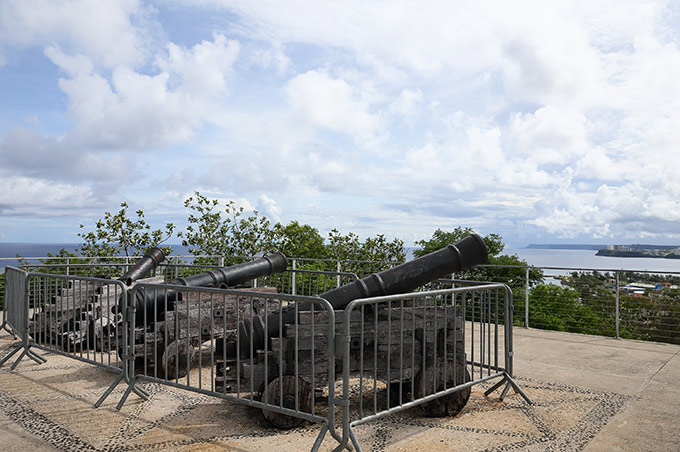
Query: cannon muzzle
[(144, 266)]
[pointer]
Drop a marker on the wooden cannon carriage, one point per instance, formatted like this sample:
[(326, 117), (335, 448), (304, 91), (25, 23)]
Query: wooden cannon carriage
[(411, 350), (282, 355)]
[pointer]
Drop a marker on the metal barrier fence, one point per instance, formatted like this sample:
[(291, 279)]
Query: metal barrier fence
[(426, 348), (14, 318), (73, 316), (15, 314), (598, 301), (233, 344), (641, 305), (281, 353)]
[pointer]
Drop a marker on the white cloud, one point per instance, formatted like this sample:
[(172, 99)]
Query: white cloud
[(267, 206), (147, 111), (203, 69), (106, 32), (320, 100), (64, 160), (551, 135), (558, 117), (596, 164), (273, 57), (33, 197), (73, 65), (426, 37), (408, 103)]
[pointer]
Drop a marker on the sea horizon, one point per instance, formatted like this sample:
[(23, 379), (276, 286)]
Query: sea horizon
[(537, 257)]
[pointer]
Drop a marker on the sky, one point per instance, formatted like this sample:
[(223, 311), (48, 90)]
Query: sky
[(543, 122)]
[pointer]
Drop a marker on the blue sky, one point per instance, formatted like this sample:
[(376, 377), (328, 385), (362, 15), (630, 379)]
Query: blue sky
[(540, 121)]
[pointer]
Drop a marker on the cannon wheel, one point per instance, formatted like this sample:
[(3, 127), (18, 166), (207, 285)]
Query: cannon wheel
[(451, 404), (177, 359), (286, 384)]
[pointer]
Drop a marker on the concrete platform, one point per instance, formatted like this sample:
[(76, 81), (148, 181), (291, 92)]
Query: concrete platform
[(647, 373), (590, 393)]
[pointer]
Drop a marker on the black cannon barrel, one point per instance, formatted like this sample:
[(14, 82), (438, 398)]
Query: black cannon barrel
[(144, 266), (219, 277), (237, 274), (403, 278)]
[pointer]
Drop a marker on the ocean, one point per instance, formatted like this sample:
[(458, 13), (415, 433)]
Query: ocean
[(588, 259), (9, 251), (585, 259)]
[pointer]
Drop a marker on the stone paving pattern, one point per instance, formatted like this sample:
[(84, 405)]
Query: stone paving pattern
[(590, 394)]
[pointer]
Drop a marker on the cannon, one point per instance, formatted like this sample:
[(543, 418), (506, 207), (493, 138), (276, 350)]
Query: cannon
[(152, 305), (165, 316), (78, 315), (282, 356), (403, 278)]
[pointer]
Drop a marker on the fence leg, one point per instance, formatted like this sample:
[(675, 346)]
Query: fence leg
[(319, 438), (6, 326), (509, 383), (129, 364), (26, 346), (12, 353), (27, 352), (109, 390), (35, 356)]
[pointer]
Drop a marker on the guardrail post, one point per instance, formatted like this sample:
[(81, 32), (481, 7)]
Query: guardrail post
[(176, 267), (617, 305), (339, 271), (526, 299), (294, 279), (68, 266)]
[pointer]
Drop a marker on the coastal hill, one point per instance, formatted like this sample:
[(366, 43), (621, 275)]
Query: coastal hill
[(635, 250), (660, 251)]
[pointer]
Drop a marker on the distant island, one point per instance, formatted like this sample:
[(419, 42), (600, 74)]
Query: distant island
[(635, 250), (653, 251)]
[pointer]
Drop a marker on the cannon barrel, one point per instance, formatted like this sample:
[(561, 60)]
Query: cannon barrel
[(148, 301), (144, 266), (403, 278)]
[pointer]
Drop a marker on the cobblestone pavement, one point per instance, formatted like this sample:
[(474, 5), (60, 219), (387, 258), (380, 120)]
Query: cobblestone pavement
[(49, 407)]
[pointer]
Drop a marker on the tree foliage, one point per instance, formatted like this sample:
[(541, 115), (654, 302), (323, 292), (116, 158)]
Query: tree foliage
[(363, 258), (560, 308), (299, 240), (227, 230), (214, 230), (440, 238), (119, 234)]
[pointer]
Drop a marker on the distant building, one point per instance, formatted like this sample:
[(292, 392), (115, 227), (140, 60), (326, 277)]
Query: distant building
[(636, 289), (622, 248), (663, 285)]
